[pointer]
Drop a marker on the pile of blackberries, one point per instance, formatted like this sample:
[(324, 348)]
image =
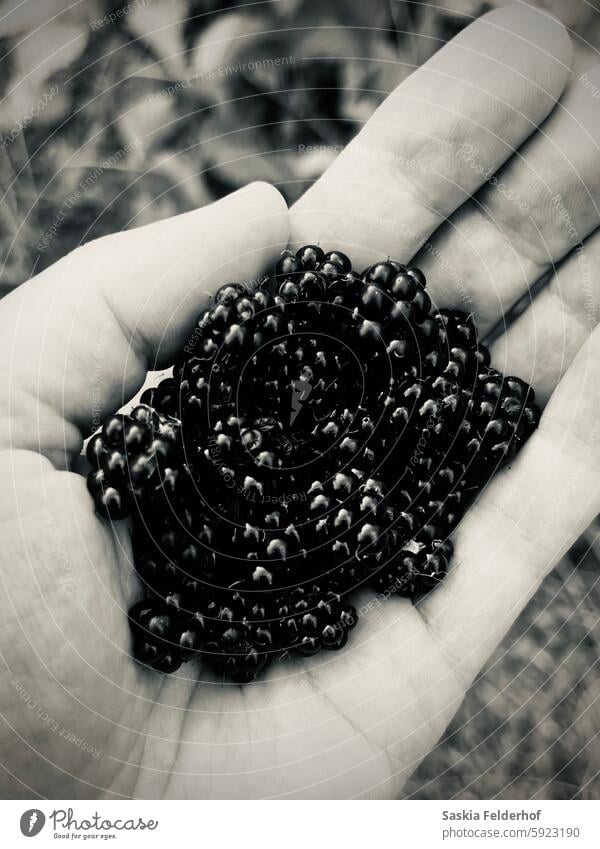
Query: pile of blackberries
[(321, 431)]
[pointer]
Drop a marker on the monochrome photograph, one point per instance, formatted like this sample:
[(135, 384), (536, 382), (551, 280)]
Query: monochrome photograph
[(300, 415)]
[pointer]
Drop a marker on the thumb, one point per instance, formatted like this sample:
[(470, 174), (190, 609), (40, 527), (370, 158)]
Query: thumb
[(77, 340)]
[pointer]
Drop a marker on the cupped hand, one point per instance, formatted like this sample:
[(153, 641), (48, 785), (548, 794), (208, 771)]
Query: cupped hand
[(482, 166)]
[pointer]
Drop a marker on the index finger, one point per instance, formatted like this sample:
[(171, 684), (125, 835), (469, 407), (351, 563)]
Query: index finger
[(404, 174)]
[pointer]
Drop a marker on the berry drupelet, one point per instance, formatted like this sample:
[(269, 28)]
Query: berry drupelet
[(322, 431)]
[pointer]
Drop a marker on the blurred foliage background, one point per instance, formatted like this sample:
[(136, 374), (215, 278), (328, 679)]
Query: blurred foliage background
[(113, 114)]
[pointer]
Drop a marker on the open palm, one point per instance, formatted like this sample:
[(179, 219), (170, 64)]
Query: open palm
[(473, 168)]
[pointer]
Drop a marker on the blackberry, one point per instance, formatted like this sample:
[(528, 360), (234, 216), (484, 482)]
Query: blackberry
[(504, 417), (240, 644), (130, 453), (324, 430), (414, 570), (310, 620), (154, 629)]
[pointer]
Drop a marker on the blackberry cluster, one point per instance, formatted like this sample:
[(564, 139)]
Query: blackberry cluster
[(321, 431)]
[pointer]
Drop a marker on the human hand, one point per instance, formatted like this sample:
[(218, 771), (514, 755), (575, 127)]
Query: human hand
[(77, 343)]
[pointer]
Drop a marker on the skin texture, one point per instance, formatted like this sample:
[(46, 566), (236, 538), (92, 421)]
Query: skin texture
[(77, 341)]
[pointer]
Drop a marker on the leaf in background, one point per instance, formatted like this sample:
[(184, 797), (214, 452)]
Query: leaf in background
[(184, 174), (37, 58), (161, 26), (143, 122), (221, 43)]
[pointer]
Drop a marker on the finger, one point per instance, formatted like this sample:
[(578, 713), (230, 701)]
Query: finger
[(503, 240), (541, 344), (403, 175), (524, 522), (77, 340)]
